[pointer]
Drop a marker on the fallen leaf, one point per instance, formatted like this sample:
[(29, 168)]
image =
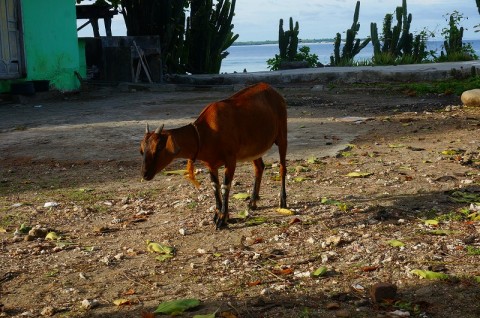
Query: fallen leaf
[(176, 307), (3, 230), (319, 272), (294, 220), (121, 302), (256, 221), (241, 196), (254, 283), (313, 160), (205, 316), (451, 152), (396, 243), (148, 315), (243, 214), (283, 271), (228, 314), (129, 292), (158, 248), (285, 211), (429, 274), (431, 222), (52, 236), (369, 268), (359, 174)]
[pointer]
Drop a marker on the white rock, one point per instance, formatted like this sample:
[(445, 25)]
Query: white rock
[(471, 97), (89, 304), (50, 204)]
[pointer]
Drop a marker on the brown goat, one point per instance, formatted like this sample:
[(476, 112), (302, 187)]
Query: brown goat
[(242, 127)]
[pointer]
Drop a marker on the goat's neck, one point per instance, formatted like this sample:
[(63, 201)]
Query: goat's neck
[(187, 141)]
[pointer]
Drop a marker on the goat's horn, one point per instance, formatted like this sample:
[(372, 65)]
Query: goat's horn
[(159, 130), (147, 129)]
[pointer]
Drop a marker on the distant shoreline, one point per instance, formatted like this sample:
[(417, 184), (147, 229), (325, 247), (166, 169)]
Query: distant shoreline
[(276, 42)]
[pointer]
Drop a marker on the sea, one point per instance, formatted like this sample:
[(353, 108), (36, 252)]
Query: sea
[(253, 58)]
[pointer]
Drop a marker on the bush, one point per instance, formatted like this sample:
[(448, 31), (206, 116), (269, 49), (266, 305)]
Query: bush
[(303, 55)]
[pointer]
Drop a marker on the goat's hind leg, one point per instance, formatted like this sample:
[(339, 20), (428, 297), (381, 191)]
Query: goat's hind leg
[(216, 192), (259, 167)]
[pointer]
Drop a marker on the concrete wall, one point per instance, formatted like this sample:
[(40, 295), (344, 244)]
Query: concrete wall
[(50, 43)]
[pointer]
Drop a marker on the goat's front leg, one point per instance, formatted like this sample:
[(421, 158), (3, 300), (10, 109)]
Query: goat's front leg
[(222, 216)]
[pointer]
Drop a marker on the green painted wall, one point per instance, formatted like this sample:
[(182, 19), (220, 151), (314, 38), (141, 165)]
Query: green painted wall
[(51, 43)]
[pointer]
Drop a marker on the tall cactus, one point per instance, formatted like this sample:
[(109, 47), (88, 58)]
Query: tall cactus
[(209, 33), (352, 46), (288, 40), (397, 41), (454, 42)]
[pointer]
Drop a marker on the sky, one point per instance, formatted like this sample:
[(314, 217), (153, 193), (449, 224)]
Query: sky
[(257, 20)]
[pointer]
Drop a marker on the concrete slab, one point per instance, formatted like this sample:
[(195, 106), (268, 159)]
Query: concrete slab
[(326, 75)]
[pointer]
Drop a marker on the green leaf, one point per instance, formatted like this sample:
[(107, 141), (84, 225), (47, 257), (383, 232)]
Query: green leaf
[(451, 152), (153, 247), (313, 160), (321, 271), (176, 307), (396, 243), (429, 274), (256, 221), (24, 228), (52, 236), (431, 222), (243, 214), (359, 174), (163, 257), (299, 179), (477, 279), (205, 316), (241, 196)]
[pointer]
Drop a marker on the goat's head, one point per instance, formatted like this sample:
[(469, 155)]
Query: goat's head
[(158, 149)]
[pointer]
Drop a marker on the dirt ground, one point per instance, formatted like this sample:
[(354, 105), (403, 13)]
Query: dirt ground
[(380, 184)]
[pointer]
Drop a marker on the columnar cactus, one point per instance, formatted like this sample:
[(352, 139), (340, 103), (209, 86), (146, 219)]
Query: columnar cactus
[(288, 40), (397, 41), (352, 46), (209, 34)]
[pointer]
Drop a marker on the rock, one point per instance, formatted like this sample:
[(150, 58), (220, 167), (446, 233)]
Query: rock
[(471, 97), (89, 304), (48, 311), (333, 306), (383, 291)]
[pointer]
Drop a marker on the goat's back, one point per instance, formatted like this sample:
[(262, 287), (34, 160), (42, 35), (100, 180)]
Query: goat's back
[(246, 124)]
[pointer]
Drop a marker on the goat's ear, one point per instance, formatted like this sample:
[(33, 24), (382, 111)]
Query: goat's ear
[(172, 145), (147, 129)]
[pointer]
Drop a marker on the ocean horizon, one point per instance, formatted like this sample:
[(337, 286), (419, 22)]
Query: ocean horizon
[(253, 58)]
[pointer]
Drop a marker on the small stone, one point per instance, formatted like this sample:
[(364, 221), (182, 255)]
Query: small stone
[(29, 237), (333, 306), (399, 313), (89, 304), (383, 291), (119, 256), (182, 232), (48, 311)]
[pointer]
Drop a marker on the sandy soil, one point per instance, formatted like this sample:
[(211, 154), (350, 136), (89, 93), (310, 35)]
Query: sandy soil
[(71, 166)]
